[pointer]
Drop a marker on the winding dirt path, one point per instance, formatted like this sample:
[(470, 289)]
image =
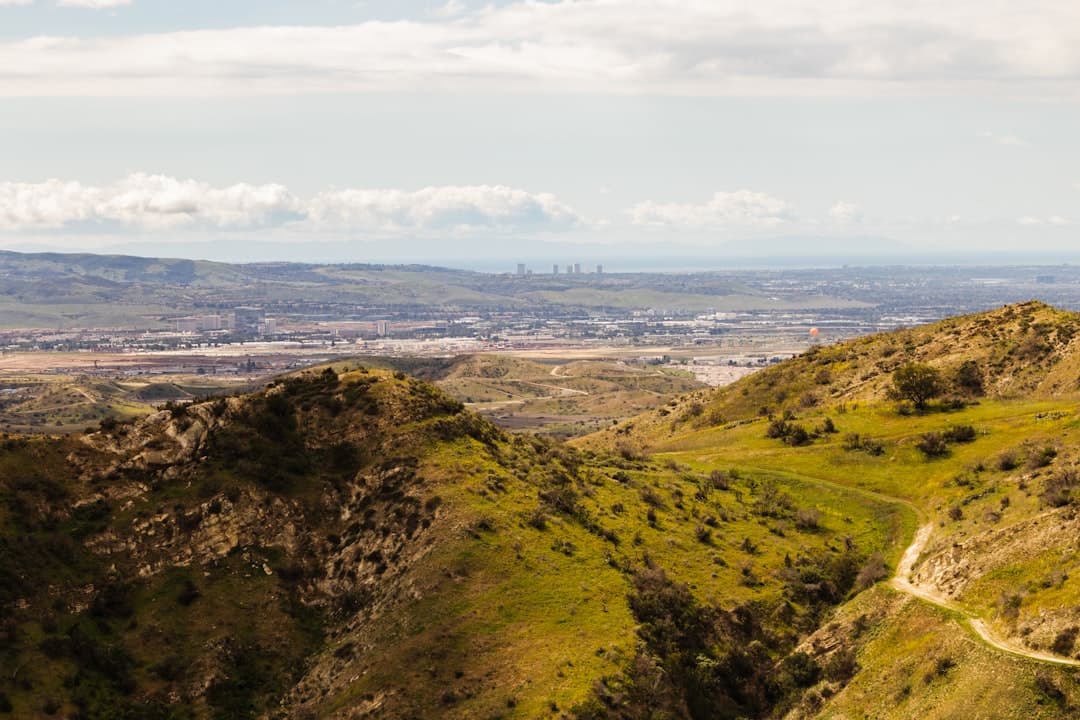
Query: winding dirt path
[(902, 582)]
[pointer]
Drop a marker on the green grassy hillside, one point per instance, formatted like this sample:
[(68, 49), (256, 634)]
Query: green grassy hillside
[(358, 544), (987, 468)]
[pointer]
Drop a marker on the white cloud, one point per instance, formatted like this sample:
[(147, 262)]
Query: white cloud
[(16, 2), (93, 4), (141, 200), (454, 208), (162, 203), (845, 213), (1007, 139), (740, 208), (694, 47), (452, 8), (1051, 221)]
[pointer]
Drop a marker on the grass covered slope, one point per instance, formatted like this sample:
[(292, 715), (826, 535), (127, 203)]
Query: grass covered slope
[(51, 403), (1030, 350), (562, 399), (988, 469), (359, 545)]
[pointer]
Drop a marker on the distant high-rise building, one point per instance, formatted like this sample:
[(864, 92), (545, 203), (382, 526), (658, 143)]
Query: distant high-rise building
[(246, 320), (599, 269), (187, 324), (211, 322), (555, 269), (569, 269), (577, 268), (521, 269), (382, 328)]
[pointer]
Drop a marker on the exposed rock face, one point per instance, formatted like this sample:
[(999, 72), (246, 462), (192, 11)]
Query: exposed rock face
[(310, 494), (205, 533), (957, 568)]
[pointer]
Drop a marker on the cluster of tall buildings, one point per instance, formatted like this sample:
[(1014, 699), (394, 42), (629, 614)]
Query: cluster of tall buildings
[(246, 321), (571, 269)]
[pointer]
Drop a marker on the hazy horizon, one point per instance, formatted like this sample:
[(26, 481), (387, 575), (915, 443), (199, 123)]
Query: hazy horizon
[(496, 130)]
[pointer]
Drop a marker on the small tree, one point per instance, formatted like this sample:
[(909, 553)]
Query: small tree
[(918, 383), (969, 378)]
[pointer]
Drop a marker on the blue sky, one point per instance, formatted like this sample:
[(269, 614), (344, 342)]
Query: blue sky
[(407, 129)]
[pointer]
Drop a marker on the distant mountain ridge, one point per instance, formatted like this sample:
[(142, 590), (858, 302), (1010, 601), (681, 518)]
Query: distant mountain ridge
[(52, 290)]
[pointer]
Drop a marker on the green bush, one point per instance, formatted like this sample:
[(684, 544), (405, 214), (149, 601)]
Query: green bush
[(933, 445), (918, 383)]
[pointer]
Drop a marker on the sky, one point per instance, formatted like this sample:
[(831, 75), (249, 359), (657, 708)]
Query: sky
[(692, 132)]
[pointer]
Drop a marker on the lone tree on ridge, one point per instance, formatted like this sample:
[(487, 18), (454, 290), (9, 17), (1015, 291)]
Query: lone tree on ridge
[(918, 383)]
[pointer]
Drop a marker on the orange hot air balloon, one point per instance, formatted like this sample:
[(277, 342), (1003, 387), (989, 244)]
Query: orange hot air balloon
[(814, 332)]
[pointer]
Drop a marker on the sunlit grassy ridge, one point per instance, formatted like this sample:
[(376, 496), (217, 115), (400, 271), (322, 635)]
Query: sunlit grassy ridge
[(357, 543), (990, 464)]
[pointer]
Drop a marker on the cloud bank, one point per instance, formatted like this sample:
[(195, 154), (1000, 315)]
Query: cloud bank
[(147, 201), (690, 47), (157, 202), (93, 4), (741, 208)]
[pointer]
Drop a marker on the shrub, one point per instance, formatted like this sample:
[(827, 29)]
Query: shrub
[(854, 441), (1009, 605), (773, 502), (719, 480), (841, 665), (1065, 640), (873, 570), (189, 593), (801, 669), (1058, 491), (1042, 458), (798, 436), (808, 519), (933, 445), (1046, 685), (632, 451), (960, 434), (777, 429), (1008, 460), (969, 378)]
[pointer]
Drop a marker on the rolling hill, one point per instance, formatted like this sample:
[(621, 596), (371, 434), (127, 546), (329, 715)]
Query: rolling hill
[(358, 544), (980, 619), (64, 291)]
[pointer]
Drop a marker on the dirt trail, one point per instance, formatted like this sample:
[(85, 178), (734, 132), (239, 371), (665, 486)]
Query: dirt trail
[(563, 390), (902, 582)]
